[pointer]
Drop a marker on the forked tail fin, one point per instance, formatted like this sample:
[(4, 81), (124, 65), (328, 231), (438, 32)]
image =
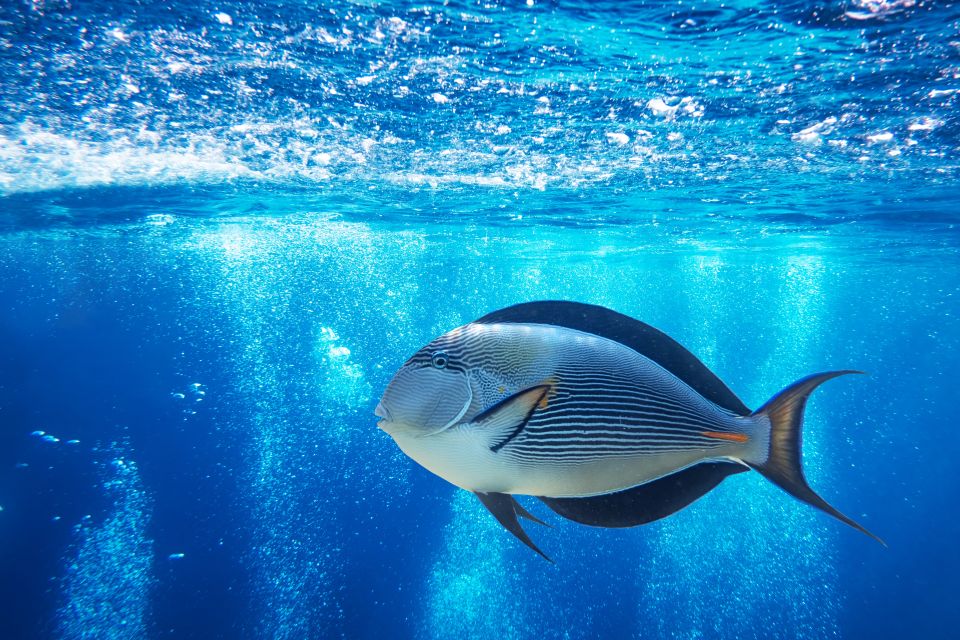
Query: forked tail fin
[(782, 466)]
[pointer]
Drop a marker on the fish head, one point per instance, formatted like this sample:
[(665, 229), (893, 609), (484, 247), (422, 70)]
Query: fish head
[(430, 393)]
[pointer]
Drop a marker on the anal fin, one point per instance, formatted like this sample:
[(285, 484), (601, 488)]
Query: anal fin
[(647, 502), (505, 509)]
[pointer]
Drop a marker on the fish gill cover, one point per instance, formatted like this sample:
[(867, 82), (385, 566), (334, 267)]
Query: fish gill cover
[(224, 225)]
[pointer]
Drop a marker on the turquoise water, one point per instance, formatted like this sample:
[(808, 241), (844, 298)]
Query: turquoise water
[(224, 227)]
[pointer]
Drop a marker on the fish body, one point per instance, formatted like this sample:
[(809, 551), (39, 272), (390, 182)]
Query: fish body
[(608, 418), (605, 419)]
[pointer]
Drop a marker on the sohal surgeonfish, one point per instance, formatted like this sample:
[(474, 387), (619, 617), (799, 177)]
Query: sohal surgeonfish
[(608, 421)]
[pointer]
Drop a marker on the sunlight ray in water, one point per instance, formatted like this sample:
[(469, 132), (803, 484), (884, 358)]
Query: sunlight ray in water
[(472, 587), (748, 519), (292, 554), (304, 392)]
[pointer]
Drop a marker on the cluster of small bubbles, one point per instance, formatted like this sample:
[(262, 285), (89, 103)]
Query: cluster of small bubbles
[(472, 577), (105, 592), (303, 387), (341, 380)]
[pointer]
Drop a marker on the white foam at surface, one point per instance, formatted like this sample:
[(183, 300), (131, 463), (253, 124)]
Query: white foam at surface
[(658, 107), (883, 136), (40, 159), (925, 123), (813, 134)]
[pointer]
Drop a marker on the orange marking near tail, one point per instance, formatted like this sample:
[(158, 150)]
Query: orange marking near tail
[(720, 435)]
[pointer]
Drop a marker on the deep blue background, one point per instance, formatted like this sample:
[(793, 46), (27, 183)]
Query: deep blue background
[(95, 351)]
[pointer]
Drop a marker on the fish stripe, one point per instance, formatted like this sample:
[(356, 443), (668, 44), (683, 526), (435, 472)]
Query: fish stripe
[(583, 428), (602, 444), (576, 431), (558, 410), (573, 387), (587, 443), (630, 414), (619, 398), (654, 437), (586, 440), (561, 458)]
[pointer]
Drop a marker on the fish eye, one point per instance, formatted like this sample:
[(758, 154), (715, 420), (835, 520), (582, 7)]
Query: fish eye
[(439, 360)]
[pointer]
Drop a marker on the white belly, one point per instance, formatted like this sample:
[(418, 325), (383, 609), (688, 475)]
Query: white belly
[(463, 458)]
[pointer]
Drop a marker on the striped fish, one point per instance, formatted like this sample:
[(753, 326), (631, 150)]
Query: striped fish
[(608, 421)]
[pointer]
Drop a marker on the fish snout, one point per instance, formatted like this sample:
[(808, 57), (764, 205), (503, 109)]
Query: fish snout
[(422, 401)]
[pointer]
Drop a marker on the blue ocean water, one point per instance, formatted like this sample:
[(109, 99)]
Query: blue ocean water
[(223, 226)]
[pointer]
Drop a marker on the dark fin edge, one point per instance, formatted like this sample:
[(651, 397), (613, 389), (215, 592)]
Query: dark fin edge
[(783, 466), (523, 513), (639, 336), (505, 509)]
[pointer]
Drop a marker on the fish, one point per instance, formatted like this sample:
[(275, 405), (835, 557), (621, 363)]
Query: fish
[(606, 420)]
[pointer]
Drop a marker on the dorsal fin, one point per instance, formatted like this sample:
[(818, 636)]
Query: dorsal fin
[(639, 336)]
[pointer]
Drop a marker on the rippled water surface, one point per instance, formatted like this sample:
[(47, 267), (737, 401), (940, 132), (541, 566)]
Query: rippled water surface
[(223, 226)]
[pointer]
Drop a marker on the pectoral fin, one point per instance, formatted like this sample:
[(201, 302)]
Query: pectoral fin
[(505, 509), (505, 420)]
